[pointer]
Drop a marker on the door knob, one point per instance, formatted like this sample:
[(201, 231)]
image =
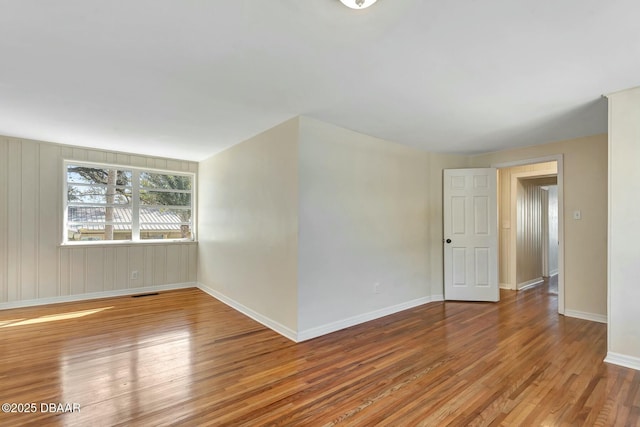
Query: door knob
[(448, 240)]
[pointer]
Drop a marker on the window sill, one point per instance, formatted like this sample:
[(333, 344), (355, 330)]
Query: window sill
[(120, 243)]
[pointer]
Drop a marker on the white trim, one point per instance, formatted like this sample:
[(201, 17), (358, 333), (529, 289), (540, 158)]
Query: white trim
[(269, 323), (71, 160), (600, 318), (94, 295), (623, 360), (530, 283), (126, 243), (610, 355), (559, 158), (553, 273), (135, 205), (320, 330), (505, 286), (544, 159), (362, 318)]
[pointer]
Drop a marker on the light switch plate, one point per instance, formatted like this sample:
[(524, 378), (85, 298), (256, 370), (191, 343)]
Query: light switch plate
[(577, 215)]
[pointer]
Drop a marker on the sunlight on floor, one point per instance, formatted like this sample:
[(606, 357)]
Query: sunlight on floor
[(51, 318)]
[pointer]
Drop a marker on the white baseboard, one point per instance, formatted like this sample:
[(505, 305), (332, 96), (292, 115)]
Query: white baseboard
[(269, 323), (600, 318), (529, 283), (94, 295), (320, 330), (553, 273), (623, 360), (365, 317), (505, 286)]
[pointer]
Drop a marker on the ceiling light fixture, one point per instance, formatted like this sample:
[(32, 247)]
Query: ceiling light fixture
[(358, 4)]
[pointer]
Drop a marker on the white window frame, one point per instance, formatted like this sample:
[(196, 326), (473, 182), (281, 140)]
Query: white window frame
[(135, 203)]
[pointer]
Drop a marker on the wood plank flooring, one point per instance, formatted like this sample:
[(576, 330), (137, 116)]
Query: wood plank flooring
[(183, 358)]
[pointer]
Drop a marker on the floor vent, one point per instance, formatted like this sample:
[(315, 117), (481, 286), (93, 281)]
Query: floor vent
[(144, 295)]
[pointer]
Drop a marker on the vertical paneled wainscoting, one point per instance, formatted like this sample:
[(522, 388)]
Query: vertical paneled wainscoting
[(88, 270), (529, 237)]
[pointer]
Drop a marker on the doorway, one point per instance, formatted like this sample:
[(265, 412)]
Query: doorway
[(536, 231), (550, 236), (527, 191)]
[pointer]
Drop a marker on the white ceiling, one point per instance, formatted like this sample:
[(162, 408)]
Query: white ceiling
[(187, 78)]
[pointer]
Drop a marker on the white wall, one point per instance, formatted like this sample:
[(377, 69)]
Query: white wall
[(624, 228), (553, 229), (364, 220), (248, 227), (298, 224), (35, 269)]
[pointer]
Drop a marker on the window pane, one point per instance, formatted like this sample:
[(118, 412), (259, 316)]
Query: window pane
[(165, 223), (164, 181), (165, 198), (92, 223), (78, 174), (101, 194), (175, 231), (164, 216)]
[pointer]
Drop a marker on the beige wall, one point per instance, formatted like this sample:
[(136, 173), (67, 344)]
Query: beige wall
[(34, 268), (585, 189), (248, 226), (624, 228)]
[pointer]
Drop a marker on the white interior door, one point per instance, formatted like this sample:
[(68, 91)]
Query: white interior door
[(470, 235)]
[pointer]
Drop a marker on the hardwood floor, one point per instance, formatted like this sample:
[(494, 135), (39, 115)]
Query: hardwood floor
[(181, 357)]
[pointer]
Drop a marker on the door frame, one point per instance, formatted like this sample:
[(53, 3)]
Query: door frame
[(559, 159)]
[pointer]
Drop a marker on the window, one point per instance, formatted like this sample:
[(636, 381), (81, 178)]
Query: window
[(116, 203)]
